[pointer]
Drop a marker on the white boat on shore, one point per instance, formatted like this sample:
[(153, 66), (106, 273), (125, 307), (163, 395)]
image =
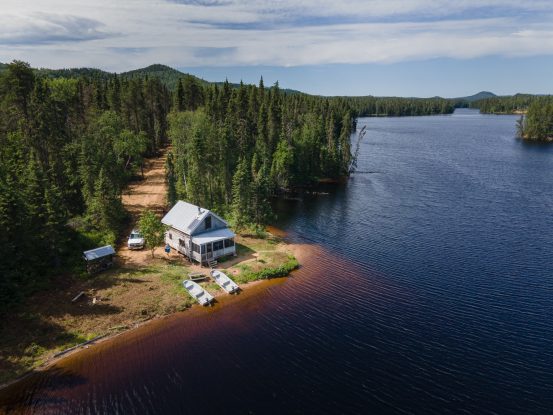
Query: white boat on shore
[(224, 281), (201, 295)]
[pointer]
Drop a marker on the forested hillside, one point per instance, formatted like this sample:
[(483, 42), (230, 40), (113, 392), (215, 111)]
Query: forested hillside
[(166, 75), (67, 149)]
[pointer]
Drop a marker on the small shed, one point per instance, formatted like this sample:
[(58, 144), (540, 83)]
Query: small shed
[(99, 259)]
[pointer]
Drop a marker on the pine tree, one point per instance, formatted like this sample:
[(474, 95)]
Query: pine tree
[(171, 180), (179, 96), (105, 209), (241, 194), (260, 192), (55, 224)]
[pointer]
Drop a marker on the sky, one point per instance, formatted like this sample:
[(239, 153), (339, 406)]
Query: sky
[(448, 48)]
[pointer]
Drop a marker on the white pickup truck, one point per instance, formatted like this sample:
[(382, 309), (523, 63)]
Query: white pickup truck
[(136, 240)]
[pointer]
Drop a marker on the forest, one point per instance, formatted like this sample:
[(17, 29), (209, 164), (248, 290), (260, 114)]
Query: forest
[(234, 148), (537, 124), (71, 140), (67, 149)]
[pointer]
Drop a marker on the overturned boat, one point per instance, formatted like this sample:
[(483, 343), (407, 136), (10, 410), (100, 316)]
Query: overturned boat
[(224, 281), (201, 295)]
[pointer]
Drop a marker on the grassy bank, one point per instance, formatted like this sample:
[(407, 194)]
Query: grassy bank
[(119, 299)]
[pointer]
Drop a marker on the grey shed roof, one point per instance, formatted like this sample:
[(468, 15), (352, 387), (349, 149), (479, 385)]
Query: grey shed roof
[(186, 217), (99, 252), (213, 236)]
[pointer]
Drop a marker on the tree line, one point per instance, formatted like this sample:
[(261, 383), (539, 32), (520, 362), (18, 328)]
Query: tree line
[(370, 106), (506, 104)]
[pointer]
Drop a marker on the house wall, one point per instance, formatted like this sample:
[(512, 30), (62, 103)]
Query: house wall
[(172, 237)]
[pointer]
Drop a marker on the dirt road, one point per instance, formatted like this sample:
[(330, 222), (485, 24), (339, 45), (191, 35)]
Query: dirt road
[(149, 193)]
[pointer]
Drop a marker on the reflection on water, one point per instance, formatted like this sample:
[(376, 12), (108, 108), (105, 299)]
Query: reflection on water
[(425, 287)]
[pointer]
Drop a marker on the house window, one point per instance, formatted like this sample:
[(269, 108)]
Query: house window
[(181, 242), (170, 235), (208, 222), (208, 247), (196, 248), (202, 249), (229, 243), (217, 245)]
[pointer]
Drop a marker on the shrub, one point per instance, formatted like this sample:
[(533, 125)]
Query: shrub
[(267, 273)]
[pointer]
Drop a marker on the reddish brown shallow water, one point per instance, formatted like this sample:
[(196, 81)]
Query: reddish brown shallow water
[(181, 355)]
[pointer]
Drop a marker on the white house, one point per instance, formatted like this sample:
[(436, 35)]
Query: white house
[(198, 233)]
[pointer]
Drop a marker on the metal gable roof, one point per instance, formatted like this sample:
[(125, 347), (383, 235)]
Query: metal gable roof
[(186, 217)]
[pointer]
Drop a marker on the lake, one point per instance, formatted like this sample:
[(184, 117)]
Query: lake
[(426, 287)]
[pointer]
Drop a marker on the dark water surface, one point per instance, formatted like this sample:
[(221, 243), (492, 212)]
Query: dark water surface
[(426, 287)]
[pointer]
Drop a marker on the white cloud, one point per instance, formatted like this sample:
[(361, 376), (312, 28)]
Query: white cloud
[(127, 34)]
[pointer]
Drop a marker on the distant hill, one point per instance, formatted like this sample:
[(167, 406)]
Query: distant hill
[(477, 97), (165, 74), (169, 76)]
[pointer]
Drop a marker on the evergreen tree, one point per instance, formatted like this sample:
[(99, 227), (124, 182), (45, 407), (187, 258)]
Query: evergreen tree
[(241, 194), (170, 180), (260, 192), (179, 103)]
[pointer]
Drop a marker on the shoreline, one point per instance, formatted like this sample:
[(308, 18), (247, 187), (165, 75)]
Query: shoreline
[(64, 354), (131, 327)]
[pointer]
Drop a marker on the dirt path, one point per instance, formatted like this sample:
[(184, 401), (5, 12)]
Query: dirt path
[(149, 193)]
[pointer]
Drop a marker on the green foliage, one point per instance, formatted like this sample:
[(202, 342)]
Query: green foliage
[(248, 144), (281, 271), (241, 195), (538, 124), (67, 149), (171, 180), (152, 230), (283, 161), (105, 210)]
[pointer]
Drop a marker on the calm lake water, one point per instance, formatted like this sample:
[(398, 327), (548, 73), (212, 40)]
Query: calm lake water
[(426, 288)]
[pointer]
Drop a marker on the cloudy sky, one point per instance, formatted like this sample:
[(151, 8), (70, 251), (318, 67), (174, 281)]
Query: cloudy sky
[(331, 47)]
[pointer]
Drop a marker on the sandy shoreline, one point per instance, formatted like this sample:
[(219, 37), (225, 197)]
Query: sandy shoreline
[(223, 300)]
